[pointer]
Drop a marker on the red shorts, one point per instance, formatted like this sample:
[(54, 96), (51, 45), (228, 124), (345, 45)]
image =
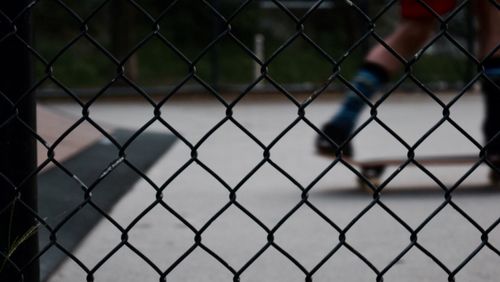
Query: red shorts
[(412, 9)]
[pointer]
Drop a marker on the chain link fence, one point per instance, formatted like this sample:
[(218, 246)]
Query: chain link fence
[(81, 40)]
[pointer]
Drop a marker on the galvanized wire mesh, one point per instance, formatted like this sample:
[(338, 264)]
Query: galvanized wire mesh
[(225, 32)]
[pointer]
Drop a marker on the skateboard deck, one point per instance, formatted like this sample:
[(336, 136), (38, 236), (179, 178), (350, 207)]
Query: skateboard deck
[(372, 169)]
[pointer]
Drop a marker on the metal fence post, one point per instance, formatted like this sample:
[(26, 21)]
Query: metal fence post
[(215, 56), (18, 191)]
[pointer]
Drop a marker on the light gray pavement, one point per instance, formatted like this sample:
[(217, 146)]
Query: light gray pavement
[(198, 196)]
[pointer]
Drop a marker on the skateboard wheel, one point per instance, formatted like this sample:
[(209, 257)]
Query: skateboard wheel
[(494, 178), (365, 186), (373, 173)]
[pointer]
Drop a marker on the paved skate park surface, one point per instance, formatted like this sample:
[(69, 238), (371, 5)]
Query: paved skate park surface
[(233, 236)]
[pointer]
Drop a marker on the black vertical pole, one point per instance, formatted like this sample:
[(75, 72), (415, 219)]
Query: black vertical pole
[(18, 194), (214, 58)]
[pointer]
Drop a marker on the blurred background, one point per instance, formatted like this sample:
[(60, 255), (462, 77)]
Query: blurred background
[(158, 42)]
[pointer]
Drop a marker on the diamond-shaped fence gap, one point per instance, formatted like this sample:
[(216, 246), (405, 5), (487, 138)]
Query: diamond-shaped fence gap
[(127, 27), (132, 267), (326, 27), (276, 31), (54, 125), (338, 197), (442, 66), (343, 265), (235, 65), (73, 143), (133, 203), (166, 170), (320, 26), (418, 266), (357, 42), (468, 113), (68, 270), (193, 120), (129, 24), (430, 176), (265, 120), (196, 195), (47, 17), (462, 238), (288, 66), (106, 114), (272, 266), (326, 102), (413, 196), (230, 153), (483, 267), (164, 250), (80, 223), (136, 144), (74, 198), (202, 25), (409, 116), (104, 190), (206, 266), (158, 64), (378, 237), (220, 237), (349, 61), (122, 85), (246, 18), (471, 197), (287, 153), (306, 236), (439, 144), (261, 194), (458, 26), (83, 65), (376, 142), (460, 31)]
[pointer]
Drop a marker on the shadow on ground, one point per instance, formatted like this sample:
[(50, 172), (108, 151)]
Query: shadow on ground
[(408, 192)]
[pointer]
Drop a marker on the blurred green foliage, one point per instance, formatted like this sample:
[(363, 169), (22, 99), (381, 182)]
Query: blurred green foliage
[(173, 34)]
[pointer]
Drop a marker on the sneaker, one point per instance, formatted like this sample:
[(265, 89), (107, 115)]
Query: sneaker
[(336, 134)]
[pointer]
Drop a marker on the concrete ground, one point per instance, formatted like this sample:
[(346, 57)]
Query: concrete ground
[(305, 242), (53, 124)]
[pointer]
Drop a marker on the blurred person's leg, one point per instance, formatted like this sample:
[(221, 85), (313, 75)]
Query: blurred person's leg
[(488, 17), (413, 31)]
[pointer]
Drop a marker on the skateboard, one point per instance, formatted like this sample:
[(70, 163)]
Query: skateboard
[(373, 169)]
